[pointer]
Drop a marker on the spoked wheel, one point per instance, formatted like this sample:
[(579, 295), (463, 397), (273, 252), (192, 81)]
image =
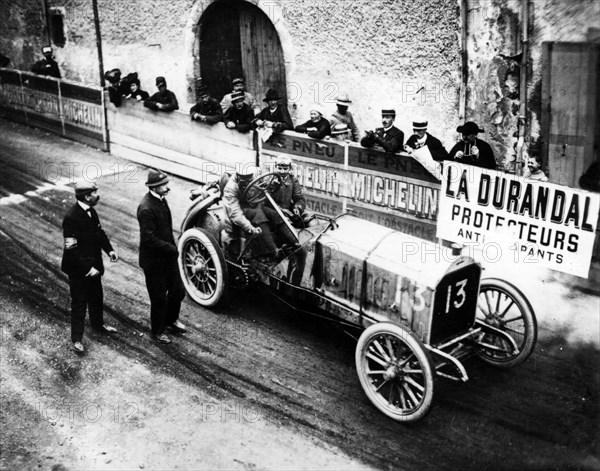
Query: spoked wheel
[(256, 189), (202, 267), (513, 332), (395, 371)]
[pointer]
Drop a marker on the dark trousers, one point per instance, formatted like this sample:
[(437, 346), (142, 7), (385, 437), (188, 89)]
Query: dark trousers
[(274, 231), (166, 293), (86, 294)]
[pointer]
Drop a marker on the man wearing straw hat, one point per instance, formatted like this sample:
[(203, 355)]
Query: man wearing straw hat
[(343, 116), (421, 138)]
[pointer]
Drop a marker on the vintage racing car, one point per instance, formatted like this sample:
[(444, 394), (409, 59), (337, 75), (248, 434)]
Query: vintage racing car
[(423, 309)]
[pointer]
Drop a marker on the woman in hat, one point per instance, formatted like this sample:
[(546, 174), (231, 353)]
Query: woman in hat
[(316, 127), (275, 115), (472, 151), (136, 92)]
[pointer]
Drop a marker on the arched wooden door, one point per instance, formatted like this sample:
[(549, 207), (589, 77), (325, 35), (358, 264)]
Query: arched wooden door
[(238, 39)]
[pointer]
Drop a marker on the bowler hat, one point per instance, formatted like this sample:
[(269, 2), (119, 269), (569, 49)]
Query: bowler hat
[(161, 81), (343, 99), (388, 113), (84, 187), (469, 128), (272, 95), (237, 96), (202, 90), (156, 178)]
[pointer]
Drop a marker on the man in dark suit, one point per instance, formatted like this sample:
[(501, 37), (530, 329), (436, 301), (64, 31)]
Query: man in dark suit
[(275, 115), (158, 258), (471, 150), (389, 137), (82, 261), (163, 99), (421, 138), (47, 65)]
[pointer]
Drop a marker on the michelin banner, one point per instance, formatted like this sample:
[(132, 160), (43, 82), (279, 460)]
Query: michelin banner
[(529, 221)]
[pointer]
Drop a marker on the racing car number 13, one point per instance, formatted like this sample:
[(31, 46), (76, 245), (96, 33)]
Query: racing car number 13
[(456, 297)]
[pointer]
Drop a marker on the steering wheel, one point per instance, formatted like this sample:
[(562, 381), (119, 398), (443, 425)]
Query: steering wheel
[(256, 190)]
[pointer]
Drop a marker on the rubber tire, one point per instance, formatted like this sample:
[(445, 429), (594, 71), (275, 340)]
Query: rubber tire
[(530, 337), (408, 339), (217, 259)]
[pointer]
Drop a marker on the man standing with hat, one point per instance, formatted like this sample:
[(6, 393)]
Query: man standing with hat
[(421, 138), (47, 65), (239, 116), (472, 151), (389, 137), (82, 262), (343, 116), (207, 109), (158, 258), (163, 100), (248, 98), (274, 116)]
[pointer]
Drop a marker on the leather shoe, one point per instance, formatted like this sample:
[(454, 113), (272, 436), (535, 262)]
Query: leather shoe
[(162, 338), (78, 347), (108, 329), (178, 327)]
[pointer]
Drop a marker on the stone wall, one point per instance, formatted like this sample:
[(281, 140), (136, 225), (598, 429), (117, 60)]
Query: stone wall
[(494, 66)]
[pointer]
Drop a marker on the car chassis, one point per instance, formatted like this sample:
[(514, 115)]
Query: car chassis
[(421, 318)]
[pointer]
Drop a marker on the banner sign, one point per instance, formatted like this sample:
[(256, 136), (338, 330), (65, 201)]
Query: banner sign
[(528, 221), (392, 190), (66, 108)]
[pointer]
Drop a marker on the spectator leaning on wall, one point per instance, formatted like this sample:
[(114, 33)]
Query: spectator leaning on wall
[(472, 151), (163, 100), (239, 86), (389, 137), (47, 65), (343, 116), (239, 115), (207, 109), (421, 138), (275, 116), (316, 127)]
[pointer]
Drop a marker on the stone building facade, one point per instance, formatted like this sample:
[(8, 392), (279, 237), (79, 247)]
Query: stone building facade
[(397, 54)]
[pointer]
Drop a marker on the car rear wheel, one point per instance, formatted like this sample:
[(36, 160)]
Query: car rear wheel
[(503, 307), (395, 371), (202, 267)]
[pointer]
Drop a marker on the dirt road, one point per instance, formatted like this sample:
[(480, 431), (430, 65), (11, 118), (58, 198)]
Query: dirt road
[(253, 385)]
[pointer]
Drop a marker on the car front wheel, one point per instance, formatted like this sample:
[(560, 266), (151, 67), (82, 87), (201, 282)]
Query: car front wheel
[(202, 267), (395, 371)]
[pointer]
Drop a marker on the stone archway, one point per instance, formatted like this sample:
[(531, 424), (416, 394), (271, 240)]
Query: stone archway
[(210, 41)]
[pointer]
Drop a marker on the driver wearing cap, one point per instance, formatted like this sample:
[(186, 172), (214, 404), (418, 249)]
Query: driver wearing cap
[(289, 196), (256, 219)]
